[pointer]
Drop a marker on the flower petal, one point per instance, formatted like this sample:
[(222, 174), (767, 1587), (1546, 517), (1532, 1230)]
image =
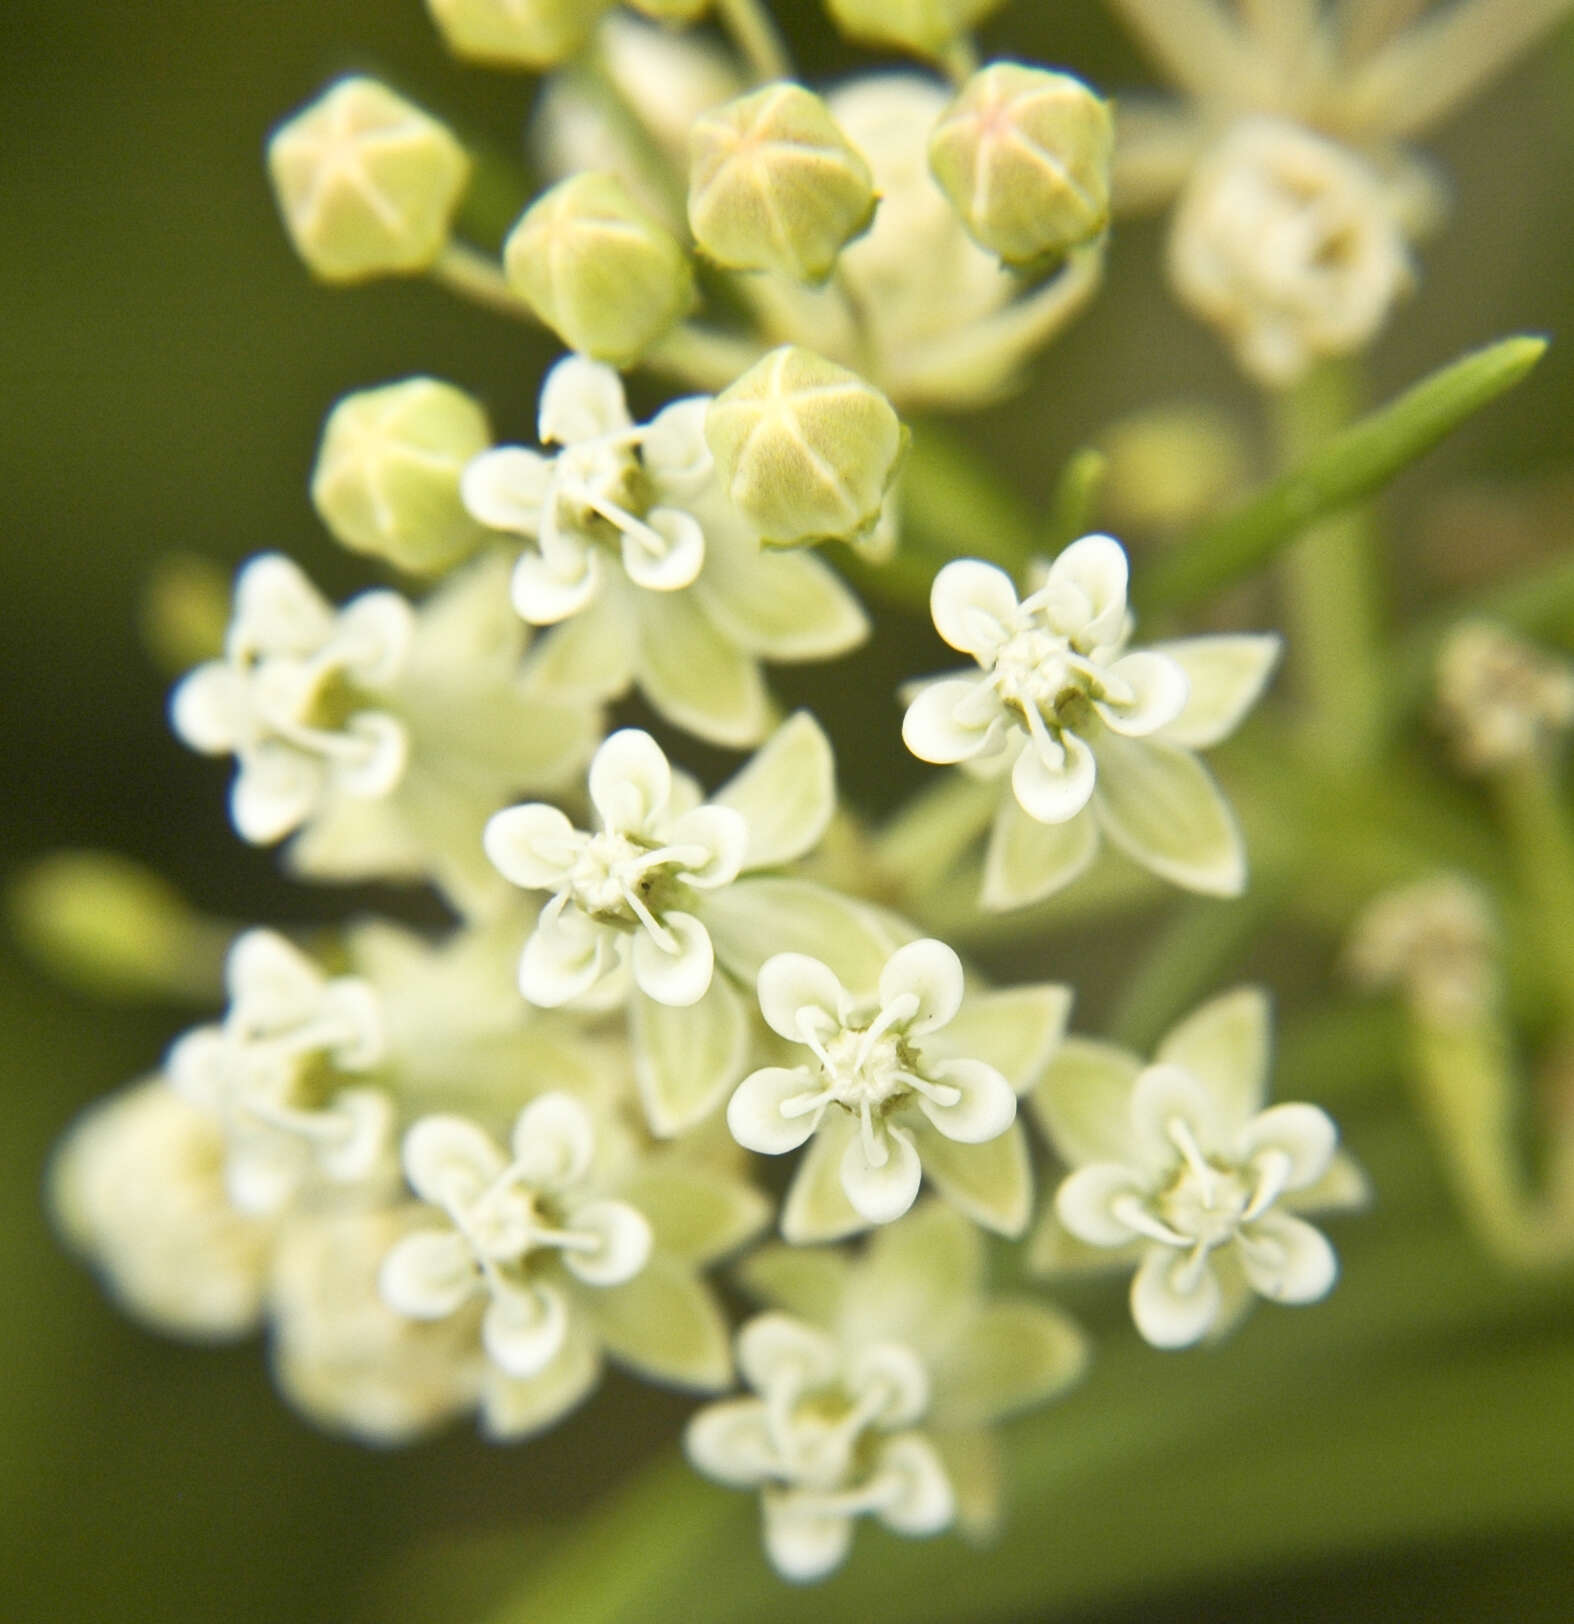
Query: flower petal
[(545, 594), (679, 562), (723, 836), (1173, 1302), (752, 920), (590, 656), (1163, 808), (428, 1275), (786, 795), (788, 607), (1164, 1096), (813, 1283), (449, 1160), (275, 791), (533, 846), (950, 721), (777, 1350), (1302, 1134), (665, 1324), (817, 1208), (373, 636), (514, 1408), (581, 399), (754, 1113), (1085, 592), (1342, 1188), (694, 676), (930, 972), (1028, 860), (630, 781), (987, 1107), (925, 1503), (1051, 791), (1225, 1045), (974, 607), (697, 1212), (553, 1141), (524, 1329), (385, 745), (678, 977), (624, 1237), (1158, 693), (730, 1442), (1227, 676), (686, 1058), (506, 489), (1085, 1203), (566, 955), (1015, 1029), (277, 610), (991, 1183), (791, 984), (1084, 1101), (1286, 1259), (1014, 1355), (211, 709), (271, 983), (674, 450), (804, 1543)]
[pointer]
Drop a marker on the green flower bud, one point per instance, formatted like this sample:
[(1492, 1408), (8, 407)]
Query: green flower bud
[(806, 449), (605, 276), (1024, 156), (926, 27), (387, 474), (366, 182), (774, 185), (517, 33)]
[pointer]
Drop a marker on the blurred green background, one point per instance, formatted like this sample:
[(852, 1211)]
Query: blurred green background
[(167, 364)]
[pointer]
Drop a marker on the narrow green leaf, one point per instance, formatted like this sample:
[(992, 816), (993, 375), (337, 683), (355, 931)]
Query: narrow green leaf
[(1354, 463)]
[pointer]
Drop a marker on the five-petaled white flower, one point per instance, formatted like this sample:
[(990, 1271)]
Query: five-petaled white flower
[(1094, 736), (868, 1060), (621, 892), (508, 1216), (1182, 1170), (613, 484), (269, 1074), (295, 698), (831, 1437)]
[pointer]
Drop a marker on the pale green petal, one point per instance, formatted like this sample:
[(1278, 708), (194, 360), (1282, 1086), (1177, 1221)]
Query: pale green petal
[(1053, 1250), (1162, 807), (817, 1208), (972, 1462), (665, 1323), (920, 1279), (515, 1408), (592, 654), (698, 1213), (751, 921), (1016, 1030), (786, 795), (1225, 1045), (811, 1283), (1343, 1188), (694, 676), (1084, 1101), (687, 1057), (1028, 860), (1014, 1355), (1227, 677), (992, 1183), (780, 606)]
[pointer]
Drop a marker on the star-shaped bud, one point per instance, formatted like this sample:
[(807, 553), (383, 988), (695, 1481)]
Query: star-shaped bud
[(367, 183), (270, 1074), (873, 1063), (1096, 737), (1180, 1169)]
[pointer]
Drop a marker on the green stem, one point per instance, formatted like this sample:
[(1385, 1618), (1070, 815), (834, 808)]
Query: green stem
[(1331, 591), (749, 24), (1531, 802), (701, 357), (479, 278), (960, 60)]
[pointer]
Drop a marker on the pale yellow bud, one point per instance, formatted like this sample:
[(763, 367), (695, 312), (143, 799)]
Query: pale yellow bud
[(1024, 156), (517, 33), (926, 27), (806, 449), (366, 182), (387, 474), (775, 185), (602, 273)]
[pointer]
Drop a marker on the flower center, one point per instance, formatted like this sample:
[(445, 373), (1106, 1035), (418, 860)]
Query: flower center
[(1206, 1204), (865, 1066)]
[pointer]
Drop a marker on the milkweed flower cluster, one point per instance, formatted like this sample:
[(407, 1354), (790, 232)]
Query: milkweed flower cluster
[(461, 1169)]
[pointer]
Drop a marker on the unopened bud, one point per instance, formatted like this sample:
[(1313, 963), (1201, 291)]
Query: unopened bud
[(1024, 156), (775, 185), (366, 182), (387, 474), (608, 278), (517, 33), (1500, 700), (925, 27), (806, 449)]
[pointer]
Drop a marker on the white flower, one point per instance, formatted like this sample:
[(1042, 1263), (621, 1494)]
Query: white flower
[(507, 1215), (692, 605), (830, 1438), (1291, 245), (294, 699), (622, 889), (1179, 1167), (1095, 736), (869, 1061), (268, 1074)]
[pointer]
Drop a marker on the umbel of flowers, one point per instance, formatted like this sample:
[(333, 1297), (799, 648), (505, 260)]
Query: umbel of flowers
[(462, 1168)]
